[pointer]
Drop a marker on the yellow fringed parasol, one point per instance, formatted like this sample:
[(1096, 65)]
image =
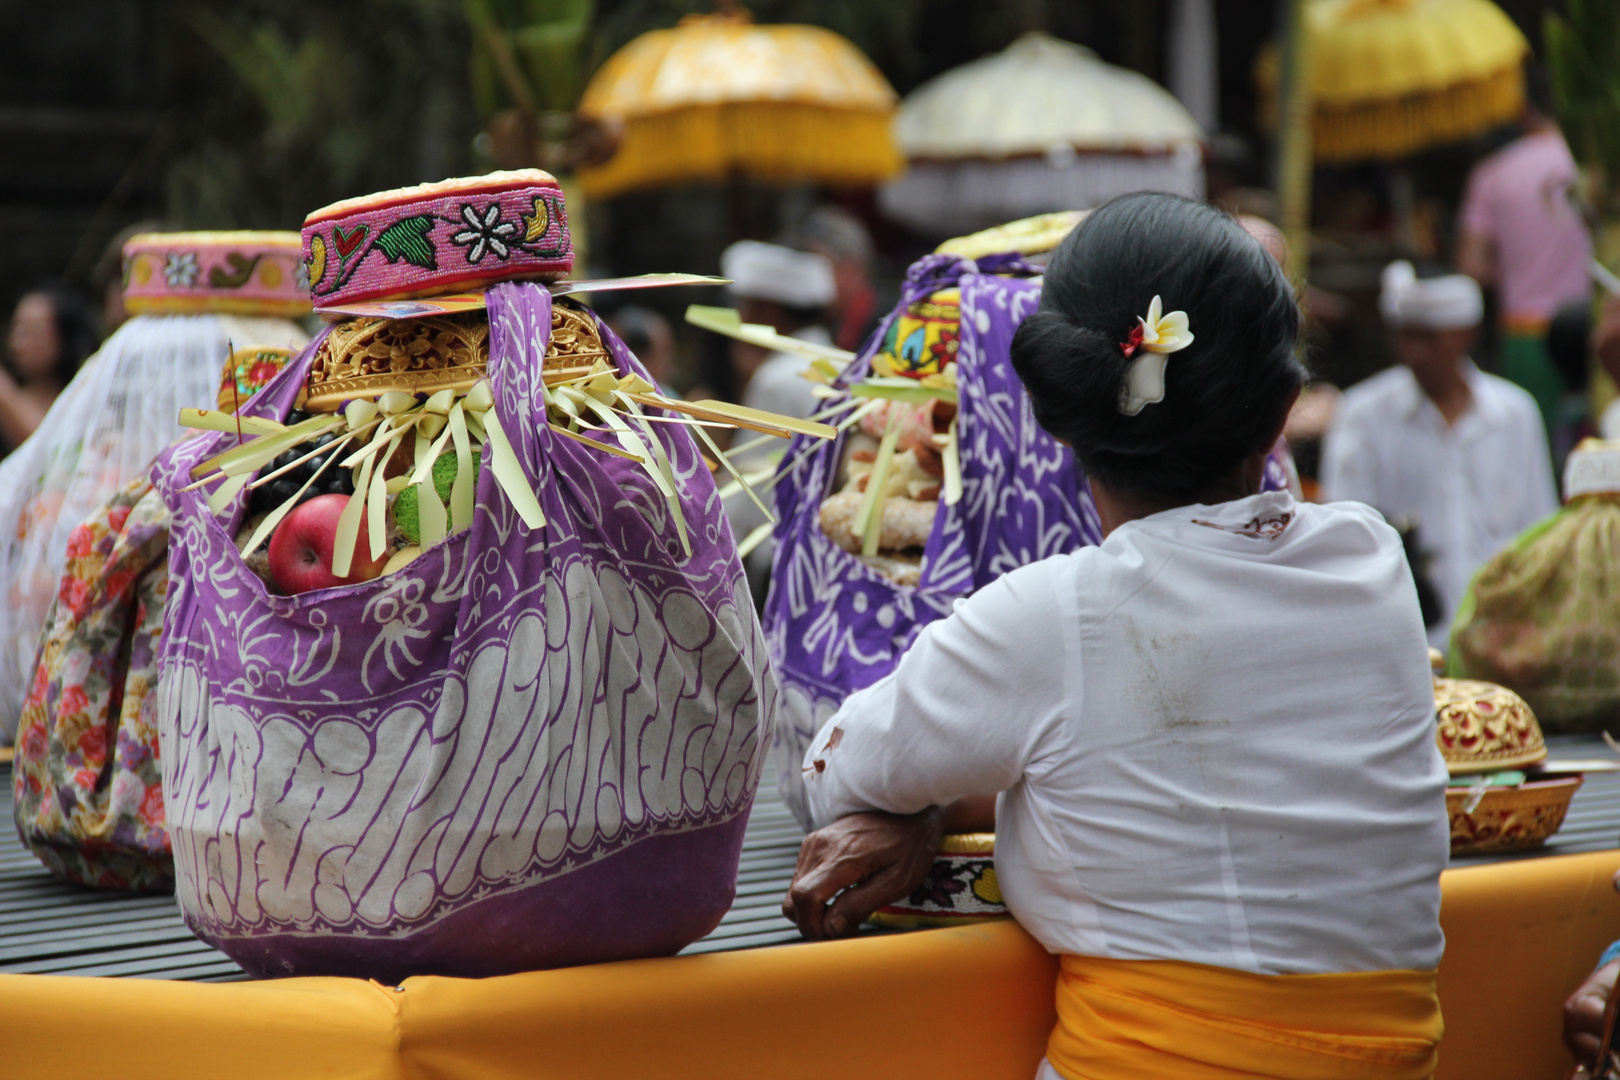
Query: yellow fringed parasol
[(718, 94), (1392, 77)]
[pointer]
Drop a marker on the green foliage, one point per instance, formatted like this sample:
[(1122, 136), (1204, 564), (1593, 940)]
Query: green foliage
[(530, 54), (407, 239), (1583, 59), (298, 103)]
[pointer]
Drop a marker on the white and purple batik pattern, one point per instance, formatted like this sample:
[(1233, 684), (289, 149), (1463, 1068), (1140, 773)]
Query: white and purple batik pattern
[(835, 626), (525, 750)]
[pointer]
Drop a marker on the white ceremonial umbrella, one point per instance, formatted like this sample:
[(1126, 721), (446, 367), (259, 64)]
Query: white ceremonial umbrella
[(1041, 126)]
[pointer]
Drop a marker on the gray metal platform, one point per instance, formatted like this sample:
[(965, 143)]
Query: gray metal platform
[(47, 927), (50, 928)]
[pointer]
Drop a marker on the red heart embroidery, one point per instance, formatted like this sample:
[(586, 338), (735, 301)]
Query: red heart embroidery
[(348, 240)]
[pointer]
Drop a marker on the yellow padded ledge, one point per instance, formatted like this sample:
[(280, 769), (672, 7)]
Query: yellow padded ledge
[(61, 1026), (1520, 937), (912, 1005), (970, 1001)]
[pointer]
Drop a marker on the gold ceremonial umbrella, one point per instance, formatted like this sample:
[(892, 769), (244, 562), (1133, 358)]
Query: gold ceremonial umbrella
[(718, 95), (1392, 77)]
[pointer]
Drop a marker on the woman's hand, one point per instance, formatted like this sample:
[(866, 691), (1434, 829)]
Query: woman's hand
[(1583, 1013), (860, 863)]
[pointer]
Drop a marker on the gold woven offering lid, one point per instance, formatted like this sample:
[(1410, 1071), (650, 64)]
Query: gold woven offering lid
[(1481, 727), (1027, 236), (362, 358)]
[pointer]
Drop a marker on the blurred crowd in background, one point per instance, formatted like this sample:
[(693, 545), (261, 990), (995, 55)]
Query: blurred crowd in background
[(124, 115)]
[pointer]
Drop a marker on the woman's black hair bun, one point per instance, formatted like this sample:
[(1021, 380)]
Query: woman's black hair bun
[(1225, 394), (1077, 386)]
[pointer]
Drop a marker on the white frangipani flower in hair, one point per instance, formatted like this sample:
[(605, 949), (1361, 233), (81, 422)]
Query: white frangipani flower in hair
[(1165, 332), (1155, 336)]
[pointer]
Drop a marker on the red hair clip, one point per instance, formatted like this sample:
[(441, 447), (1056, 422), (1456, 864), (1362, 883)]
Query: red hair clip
[(1133, 341)]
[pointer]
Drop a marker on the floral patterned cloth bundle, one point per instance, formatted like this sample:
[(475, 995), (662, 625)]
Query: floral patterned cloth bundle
[(195, 297), (1542, 617), (88, 792), (87, 787)]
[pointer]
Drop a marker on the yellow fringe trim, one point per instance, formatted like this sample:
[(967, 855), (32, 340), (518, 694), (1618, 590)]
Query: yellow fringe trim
[(267, 307), (1401, 126), (770, 140)]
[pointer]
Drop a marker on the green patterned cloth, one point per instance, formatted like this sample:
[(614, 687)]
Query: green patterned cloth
[(1543, 618)]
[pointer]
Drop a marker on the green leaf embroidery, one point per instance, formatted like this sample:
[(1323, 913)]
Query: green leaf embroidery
[(241, 269), (407, 239)]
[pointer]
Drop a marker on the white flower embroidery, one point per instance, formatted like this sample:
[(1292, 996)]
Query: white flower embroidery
[(484, 233), (180, 269), (1158, 334)]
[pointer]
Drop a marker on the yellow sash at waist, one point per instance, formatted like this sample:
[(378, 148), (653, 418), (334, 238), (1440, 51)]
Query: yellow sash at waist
[(1126, 1019)]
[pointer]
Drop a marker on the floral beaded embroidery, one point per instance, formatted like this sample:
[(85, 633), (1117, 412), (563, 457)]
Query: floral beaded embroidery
[(449, 239)]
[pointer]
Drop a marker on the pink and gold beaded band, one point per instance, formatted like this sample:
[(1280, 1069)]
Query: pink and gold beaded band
[(231, 273), (449, 237)]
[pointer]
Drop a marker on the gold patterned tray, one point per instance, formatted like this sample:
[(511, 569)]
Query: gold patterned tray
[(1509, 818)]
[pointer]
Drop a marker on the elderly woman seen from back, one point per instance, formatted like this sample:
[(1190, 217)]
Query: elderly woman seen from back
[(1218, 796)]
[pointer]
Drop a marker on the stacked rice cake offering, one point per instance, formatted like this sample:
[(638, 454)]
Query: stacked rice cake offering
[(901, 455)]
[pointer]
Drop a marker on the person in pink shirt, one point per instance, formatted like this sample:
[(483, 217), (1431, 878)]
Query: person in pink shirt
[(1521, 232)]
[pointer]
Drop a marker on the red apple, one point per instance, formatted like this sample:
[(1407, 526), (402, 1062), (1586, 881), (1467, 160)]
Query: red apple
[(301, 548)]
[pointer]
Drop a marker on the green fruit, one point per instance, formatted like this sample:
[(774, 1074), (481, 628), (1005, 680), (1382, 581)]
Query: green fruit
[(444, 475)]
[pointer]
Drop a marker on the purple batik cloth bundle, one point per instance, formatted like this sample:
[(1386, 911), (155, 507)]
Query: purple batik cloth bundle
[(527, 749), (834, 625)]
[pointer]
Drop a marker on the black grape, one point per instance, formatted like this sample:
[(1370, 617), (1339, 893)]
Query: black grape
[(279, 491)]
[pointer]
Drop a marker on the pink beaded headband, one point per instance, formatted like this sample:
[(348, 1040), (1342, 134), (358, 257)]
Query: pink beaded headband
[(234, 273), (453, 236)]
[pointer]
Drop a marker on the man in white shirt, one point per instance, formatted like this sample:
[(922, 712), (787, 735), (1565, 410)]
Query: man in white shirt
[(788, 291), (1435, 439)]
